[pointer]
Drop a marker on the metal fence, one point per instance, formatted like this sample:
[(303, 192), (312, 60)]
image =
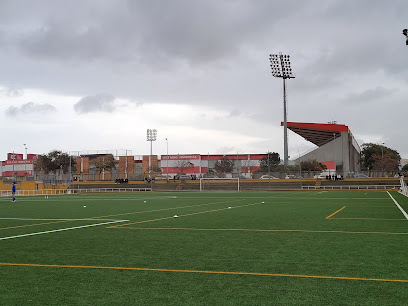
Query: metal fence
[(46, 192), (60, 178)]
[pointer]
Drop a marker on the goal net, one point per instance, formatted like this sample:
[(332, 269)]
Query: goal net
[(219, 184)]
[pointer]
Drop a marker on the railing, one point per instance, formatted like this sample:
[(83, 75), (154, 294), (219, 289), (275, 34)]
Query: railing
[(95, 190), (70, 191), (353, 187)]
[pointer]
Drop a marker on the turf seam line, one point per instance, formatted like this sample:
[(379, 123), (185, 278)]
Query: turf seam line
[(60, 219), (139, 212), (400, 208), (254, 230), (60, 230), (191, 214), (209, 272), (170, 208), (382, 219)]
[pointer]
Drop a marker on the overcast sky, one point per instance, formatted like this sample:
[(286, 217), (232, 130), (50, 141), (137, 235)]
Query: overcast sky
[(95, 74)]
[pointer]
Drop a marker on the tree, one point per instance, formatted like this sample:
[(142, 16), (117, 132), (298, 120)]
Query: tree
[(385, 162), (104, 162), (379, 157), (53, 161), (312, 165), (156, 169), (224, 165), (269, 162), (181, 165), (42, 164)]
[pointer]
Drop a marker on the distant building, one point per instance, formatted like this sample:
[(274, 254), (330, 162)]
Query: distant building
[(199, 165), (137, 167), (16, 166)]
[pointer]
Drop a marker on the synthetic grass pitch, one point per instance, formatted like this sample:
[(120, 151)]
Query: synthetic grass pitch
[(246, 248)]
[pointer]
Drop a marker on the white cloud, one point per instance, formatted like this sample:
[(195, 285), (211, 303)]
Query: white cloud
[(11, 92)]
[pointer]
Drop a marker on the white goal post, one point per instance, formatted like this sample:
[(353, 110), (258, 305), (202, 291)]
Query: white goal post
[(404, 188), (212, 183)]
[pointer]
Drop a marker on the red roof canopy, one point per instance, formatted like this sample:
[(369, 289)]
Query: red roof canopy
[(317, 133)]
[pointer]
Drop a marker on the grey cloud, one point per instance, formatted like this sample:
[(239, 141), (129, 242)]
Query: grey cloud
[(235, 113), (194, 31), (369, 96), (213, 53), (30, 108), (97, 103)]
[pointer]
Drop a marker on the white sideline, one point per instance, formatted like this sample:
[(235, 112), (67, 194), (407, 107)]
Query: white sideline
[(400, 208), (60, 230)]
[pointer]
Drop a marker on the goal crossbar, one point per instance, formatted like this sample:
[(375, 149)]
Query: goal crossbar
[(218, 183)]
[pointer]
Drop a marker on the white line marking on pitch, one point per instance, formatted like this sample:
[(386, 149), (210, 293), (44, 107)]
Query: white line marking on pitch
[(60, 230), (400, 208), (32, 219)]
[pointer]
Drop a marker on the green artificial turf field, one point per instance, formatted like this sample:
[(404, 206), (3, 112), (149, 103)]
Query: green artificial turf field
[(235, 248)]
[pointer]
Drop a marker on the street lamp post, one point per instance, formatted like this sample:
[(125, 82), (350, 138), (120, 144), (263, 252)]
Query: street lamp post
[(167, 160), (70, 167), (13, 157), (300, 165), (26, 158), (334, 148), (280, 65), (382, 158), (151, 136)]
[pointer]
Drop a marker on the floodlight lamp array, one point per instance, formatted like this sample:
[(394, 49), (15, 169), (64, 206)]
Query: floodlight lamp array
[(151, 134), (280, 66)]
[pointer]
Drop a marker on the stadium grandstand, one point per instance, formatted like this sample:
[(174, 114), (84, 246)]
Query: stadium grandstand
[(336, 145)]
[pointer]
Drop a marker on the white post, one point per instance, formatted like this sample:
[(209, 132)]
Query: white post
[(13, 158), (25, 162), (126, 165), (167, 160)]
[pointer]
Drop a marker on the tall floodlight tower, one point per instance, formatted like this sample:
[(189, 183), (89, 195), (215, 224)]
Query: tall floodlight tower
[(280, 65), (151, 136)]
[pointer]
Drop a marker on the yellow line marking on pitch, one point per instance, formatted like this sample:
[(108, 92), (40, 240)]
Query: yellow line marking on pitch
[(328, 217), (253, 230), (191, 214), (210, 272)]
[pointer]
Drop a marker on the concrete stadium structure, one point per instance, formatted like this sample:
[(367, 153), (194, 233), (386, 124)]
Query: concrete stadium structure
[(337, 147)]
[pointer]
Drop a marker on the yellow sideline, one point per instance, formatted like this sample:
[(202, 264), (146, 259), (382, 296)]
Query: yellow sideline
[(209, 272)]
